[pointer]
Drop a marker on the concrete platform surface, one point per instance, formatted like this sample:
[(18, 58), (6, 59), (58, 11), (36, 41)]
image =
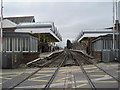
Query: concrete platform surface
[(47, 54)]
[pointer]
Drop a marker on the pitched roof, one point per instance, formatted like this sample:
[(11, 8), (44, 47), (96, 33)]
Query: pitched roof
[(22, 19), (8, 24)]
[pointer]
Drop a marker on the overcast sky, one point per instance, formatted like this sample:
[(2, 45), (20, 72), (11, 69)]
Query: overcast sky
[(69, 17)]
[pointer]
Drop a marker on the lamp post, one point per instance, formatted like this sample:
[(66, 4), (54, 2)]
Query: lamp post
[(1, 34), (113, 29), (117, 27)]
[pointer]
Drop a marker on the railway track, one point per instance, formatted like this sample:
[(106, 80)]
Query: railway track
[(82, 59), (55, 73), (8, 86), (65, 62)]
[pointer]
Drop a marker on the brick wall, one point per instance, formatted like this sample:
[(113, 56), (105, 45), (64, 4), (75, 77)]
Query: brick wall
[(27, 57), (97, 54)]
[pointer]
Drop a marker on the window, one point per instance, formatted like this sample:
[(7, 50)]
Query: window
[(24, 45), (36, 45), (7, 43), (19, 44), (33, 45), (4, 44), (27, 44), (30, 44), (16, 44), (11, 44), (98, 45), (103, 44)]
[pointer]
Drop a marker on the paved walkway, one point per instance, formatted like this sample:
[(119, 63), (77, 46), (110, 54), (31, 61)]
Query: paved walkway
[(47, 54), (44, 55)]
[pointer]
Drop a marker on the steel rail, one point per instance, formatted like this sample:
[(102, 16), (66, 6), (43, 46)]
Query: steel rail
[(85, 73), (100, 68), (54, 75), (26, 78), (53, 64)]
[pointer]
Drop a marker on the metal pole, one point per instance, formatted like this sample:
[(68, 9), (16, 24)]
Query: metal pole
[(113, 30), (116, 10), (1, 35), (1, 39), (119, 31), (117, 25)]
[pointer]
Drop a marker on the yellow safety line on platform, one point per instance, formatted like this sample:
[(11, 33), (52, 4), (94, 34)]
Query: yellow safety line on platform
[(100, 75), (118, 71), (8, 76), (90, 68), (65, 70), (67, 81), (40, 77), (62, 72), (5, 78), (12, 73), (61, 79), (70, 70), (105, 81), (28, 72), (40, 80), (80, 86), (42, 74), (114, 65), (97, 70), (46, 71)]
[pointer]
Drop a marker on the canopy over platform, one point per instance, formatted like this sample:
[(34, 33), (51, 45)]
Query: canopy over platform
[(46, 30), (92, 33)]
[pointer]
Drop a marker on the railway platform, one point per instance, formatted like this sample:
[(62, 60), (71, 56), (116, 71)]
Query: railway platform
[(47, 54)]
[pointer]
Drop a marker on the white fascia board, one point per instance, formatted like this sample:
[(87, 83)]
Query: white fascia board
[(92, 35), (37, 30), (55, 36), (80, 39), (34, 30)]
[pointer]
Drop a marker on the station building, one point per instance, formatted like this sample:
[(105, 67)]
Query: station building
[(102, 48), (24, 40), (17, 47), (86, 36), (99, 43)]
